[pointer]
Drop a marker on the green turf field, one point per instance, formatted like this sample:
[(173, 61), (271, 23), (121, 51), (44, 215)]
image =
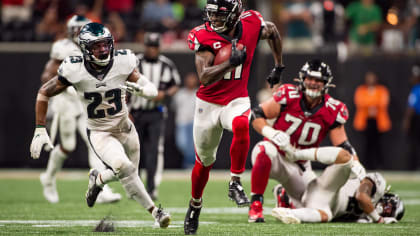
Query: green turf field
[(23, 210)]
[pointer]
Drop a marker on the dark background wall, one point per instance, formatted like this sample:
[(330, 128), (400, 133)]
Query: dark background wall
[(20, 82)]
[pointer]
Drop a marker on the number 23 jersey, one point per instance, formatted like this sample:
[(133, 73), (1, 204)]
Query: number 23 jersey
[(102, 98), (307, 128)]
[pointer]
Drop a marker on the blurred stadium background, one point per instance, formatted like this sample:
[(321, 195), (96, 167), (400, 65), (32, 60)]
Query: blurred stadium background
[(28, 28)]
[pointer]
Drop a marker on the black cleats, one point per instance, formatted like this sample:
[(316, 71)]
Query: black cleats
[(93, 189), (191, 219), (237, 194)]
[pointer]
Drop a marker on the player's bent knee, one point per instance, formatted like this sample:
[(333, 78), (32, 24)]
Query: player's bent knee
[(123, 169), (240, 125), (263, 146), (343, 157)]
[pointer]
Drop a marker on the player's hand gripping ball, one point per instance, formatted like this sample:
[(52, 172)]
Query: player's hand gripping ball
[(225, 53)]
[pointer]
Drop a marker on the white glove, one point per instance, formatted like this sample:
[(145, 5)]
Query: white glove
[(281, 139), (357, 171), (389, 220), (133, 88), (40, 138)]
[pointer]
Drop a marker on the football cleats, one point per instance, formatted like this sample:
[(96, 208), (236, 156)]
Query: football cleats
[(391, 205), (74, 24), (315, 69), (90, 35), (223, 15)]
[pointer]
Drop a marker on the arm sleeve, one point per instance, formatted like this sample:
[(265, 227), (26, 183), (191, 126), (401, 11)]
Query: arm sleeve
[(149, 90)]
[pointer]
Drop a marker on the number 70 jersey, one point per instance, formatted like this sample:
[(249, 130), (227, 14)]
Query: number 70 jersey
[(102, 98), (307, 128)]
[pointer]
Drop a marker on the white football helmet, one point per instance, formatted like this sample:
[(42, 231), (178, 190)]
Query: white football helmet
[(74, 24), (91, 34)]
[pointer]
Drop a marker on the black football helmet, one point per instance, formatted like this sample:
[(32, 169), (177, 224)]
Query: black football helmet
[(91, 34), (225, 11), (316, 69), (391, 205)]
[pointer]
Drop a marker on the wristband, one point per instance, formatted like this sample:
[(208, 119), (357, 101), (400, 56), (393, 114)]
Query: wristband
[(374, 216), (42, 97), (40, 126)]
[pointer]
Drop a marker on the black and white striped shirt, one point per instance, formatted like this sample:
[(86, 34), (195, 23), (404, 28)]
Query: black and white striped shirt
[(162, 73)]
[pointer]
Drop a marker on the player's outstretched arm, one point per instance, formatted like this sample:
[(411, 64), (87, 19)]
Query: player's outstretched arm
[(207, 72), (140, 85), (271, 33), (49, 89)]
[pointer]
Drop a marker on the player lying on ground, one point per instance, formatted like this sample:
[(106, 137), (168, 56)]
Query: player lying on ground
[(101, 78), (303, 115), (365, 201)]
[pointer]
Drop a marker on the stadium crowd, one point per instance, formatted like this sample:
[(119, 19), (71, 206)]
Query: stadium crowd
[(305, 25)]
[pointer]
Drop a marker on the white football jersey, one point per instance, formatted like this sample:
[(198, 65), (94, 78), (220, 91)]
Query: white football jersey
[(63, 48), (102, 98), (59, 51), (345, 201)]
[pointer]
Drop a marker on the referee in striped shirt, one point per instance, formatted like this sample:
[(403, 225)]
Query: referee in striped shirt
[(149, 115)]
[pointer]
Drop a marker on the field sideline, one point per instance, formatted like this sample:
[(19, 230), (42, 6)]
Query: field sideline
[(23, 210)]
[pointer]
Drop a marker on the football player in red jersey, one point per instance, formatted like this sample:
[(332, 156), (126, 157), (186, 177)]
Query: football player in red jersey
[(222, 100), (304, 115)]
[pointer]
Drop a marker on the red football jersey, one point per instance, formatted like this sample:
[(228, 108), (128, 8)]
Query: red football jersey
[(306, 127), (234, 84)]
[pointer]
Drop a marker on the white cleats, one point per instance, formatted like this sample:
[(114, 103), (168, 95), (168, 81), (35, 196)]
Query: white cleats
[(284, 215), (107, 196), (162, 218), (49, 188)]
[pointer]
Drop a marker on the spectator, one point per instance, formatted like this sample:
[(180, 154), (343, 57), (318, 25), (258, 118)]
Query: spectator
[(158, 16), (413, 24), (371, 100), (50, 27), (411, 122), (184, 104), (16, 10), (297, 17), (365, 18), (392, 34)]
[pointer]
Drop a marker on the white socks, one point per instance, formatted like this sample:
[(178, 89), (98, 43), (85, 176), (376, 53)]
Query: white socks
[(105, 177), (55, 162), (307, 214), (135, 188)]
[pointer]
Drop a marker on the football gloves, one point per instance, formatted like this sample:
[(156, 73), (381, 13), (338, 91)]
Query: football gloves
[(237, 57), (281, 139), (275, 75), (133, 88), (38, 141)]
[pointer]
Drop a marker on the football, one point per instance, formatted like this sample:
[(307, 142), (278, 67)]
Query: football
[(224, 53)]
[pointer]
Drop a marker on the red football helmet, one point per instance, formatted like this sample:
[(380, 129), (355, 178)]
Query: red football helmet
[(223, 15)]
